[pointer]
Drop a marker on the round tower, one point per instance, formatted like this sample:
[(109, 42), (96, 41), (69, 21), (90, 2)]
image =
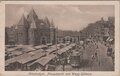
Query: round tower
[(33, 33), (22, 33)]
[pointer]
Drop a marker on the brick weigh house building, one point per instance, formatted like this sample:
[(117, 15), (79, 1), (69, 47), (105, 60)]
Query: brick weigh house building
[(31, 31)]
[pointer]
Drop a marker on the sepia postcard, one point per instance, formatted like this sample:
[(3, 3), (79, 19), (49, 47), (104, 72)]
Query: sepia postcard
[(59, 38)]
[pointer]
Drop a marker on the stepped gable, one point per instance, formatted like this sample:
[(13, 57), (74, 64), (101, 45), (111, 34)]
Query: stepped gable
[(32, 16), (23, 21)]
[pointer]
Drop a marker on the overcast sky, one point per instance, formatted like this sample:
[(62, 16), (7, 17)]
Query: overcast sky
[(66, 17)]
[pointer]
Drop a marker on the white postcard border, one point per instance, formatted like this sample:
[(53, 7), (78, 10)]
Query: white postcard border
[(27, 73)]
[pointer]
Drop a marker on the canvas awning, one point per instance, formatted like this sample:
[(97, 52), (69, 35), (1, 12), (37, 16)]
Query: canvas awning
[(88, 40), (61, 51), (28, 49), (49, 44), (15, 59), (65, 49), (32, 56), (13, 49), (54, 46), (20, 48), (109, 39), (40, 46), (50, 50), (24, 58), (44, 60), (16, 53)]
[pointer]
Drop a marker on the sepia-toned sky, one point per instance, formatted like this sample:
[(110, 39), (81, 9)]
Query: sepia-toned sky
[(66, 17)]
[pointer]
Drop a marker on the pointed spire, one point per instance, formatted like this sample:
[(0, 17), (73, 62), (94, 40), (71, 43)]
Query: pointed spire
[(32, 15), (16, 27), (47, 20), (23, 21), (52, 24), (33, 24)]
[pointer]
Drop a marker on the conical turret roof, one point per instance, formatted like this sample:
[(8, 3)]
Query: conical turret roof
[(46, 20), (52, 24), (16, 27), (23, 21), (32, 15)]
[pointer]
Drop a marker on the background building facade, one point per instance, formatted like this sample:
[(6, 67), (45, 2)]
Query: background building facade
[(31, 31)]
